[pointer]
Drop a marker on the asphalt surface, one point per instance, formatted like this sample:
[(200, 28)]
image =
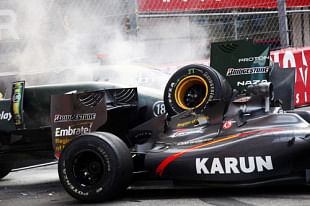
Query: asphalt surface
[(40, 186)]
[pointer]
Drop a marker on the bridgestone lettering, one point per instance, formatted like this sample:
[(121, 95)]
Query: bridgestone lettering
[(233, 165), (74, 117), (244, 71)]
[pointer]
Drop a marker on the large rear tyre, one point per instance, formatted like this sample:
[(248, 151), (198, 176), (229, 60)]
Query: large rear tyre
[(95, 167), (193, 87)]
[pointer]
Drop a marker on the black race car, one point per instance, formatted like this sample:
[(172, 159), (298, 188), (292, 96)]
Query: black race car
[(229, 139)]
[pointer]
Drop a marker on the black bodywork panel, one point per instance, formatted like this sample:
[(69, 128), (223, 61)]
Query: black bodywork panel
[(267, 147)]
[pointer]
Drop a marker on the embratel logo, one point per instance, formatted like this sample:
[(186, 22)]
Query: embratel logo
[(73, 130), (74, 117), (244, 71)]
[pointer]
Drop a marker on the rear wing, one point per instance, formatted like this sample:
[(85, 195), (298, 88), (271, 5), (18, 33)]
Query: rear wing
[(244, 63), (76, 114), (241, 62)]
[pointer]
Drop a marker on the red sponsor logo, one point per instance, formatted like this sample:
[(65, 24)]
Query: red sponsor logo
[(227, 124)]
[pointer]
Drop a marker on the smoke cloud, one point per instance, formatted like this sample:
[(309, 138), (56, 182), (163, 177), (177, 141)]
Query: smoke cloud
[(55, 35)]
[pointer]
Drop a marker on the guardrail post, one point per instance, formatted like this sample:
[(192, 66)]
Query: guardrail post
[(283, 27)]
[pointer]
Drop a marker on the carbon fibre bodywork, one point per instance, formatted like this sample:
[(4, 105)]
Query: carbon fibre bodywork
[(32, 142), (265, 148)]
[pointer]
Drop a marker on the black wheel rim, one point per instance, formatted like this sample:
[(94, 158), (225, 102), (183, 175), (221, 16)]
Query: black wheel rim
[(194, 95), (88, 168), (191, 92)]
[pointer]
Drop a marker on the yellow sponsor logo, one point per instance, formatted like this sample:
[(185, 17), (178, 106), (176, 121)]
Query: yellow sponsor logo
[(199, 119)]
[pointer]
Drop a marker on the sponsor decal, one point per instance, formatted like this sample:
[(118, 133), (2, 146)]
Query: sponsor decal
[(73, 130), (160, 169), (200, 120), (64, 135), (179, 130), (194, 141), (227, 125), (74, 117), (252, 59), (242, 99), (62, 141), (5, 116), (233, 165), (17, 100), (249, 82), (184, 132), (16, 97), (159, 108), (245, 71)]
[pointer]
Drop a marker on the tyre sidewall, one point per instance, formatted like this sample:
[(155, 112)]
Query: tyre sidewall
[(105, 188), (209, 75)]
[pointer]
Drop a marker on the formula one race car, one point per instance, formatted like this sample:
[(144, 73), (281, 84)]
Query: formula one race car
[(217, 127), (243, 140)]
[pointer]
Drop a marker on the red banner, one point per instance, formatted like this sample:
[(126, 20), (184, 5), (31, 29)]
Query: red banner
[(190, 5), (299, 58)]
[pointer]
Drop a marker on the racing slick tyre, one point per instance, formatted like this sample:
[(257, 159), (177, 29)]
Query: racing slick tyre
[(192, 87), (95, 167)]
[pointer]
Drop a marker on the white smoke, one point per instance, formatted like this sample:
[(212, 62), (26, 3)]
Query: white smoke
[(60, 35)]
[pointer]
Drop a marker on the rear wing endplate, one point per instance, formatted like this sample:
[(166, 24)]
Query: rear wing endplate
[(18, 89), (75, 114)]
